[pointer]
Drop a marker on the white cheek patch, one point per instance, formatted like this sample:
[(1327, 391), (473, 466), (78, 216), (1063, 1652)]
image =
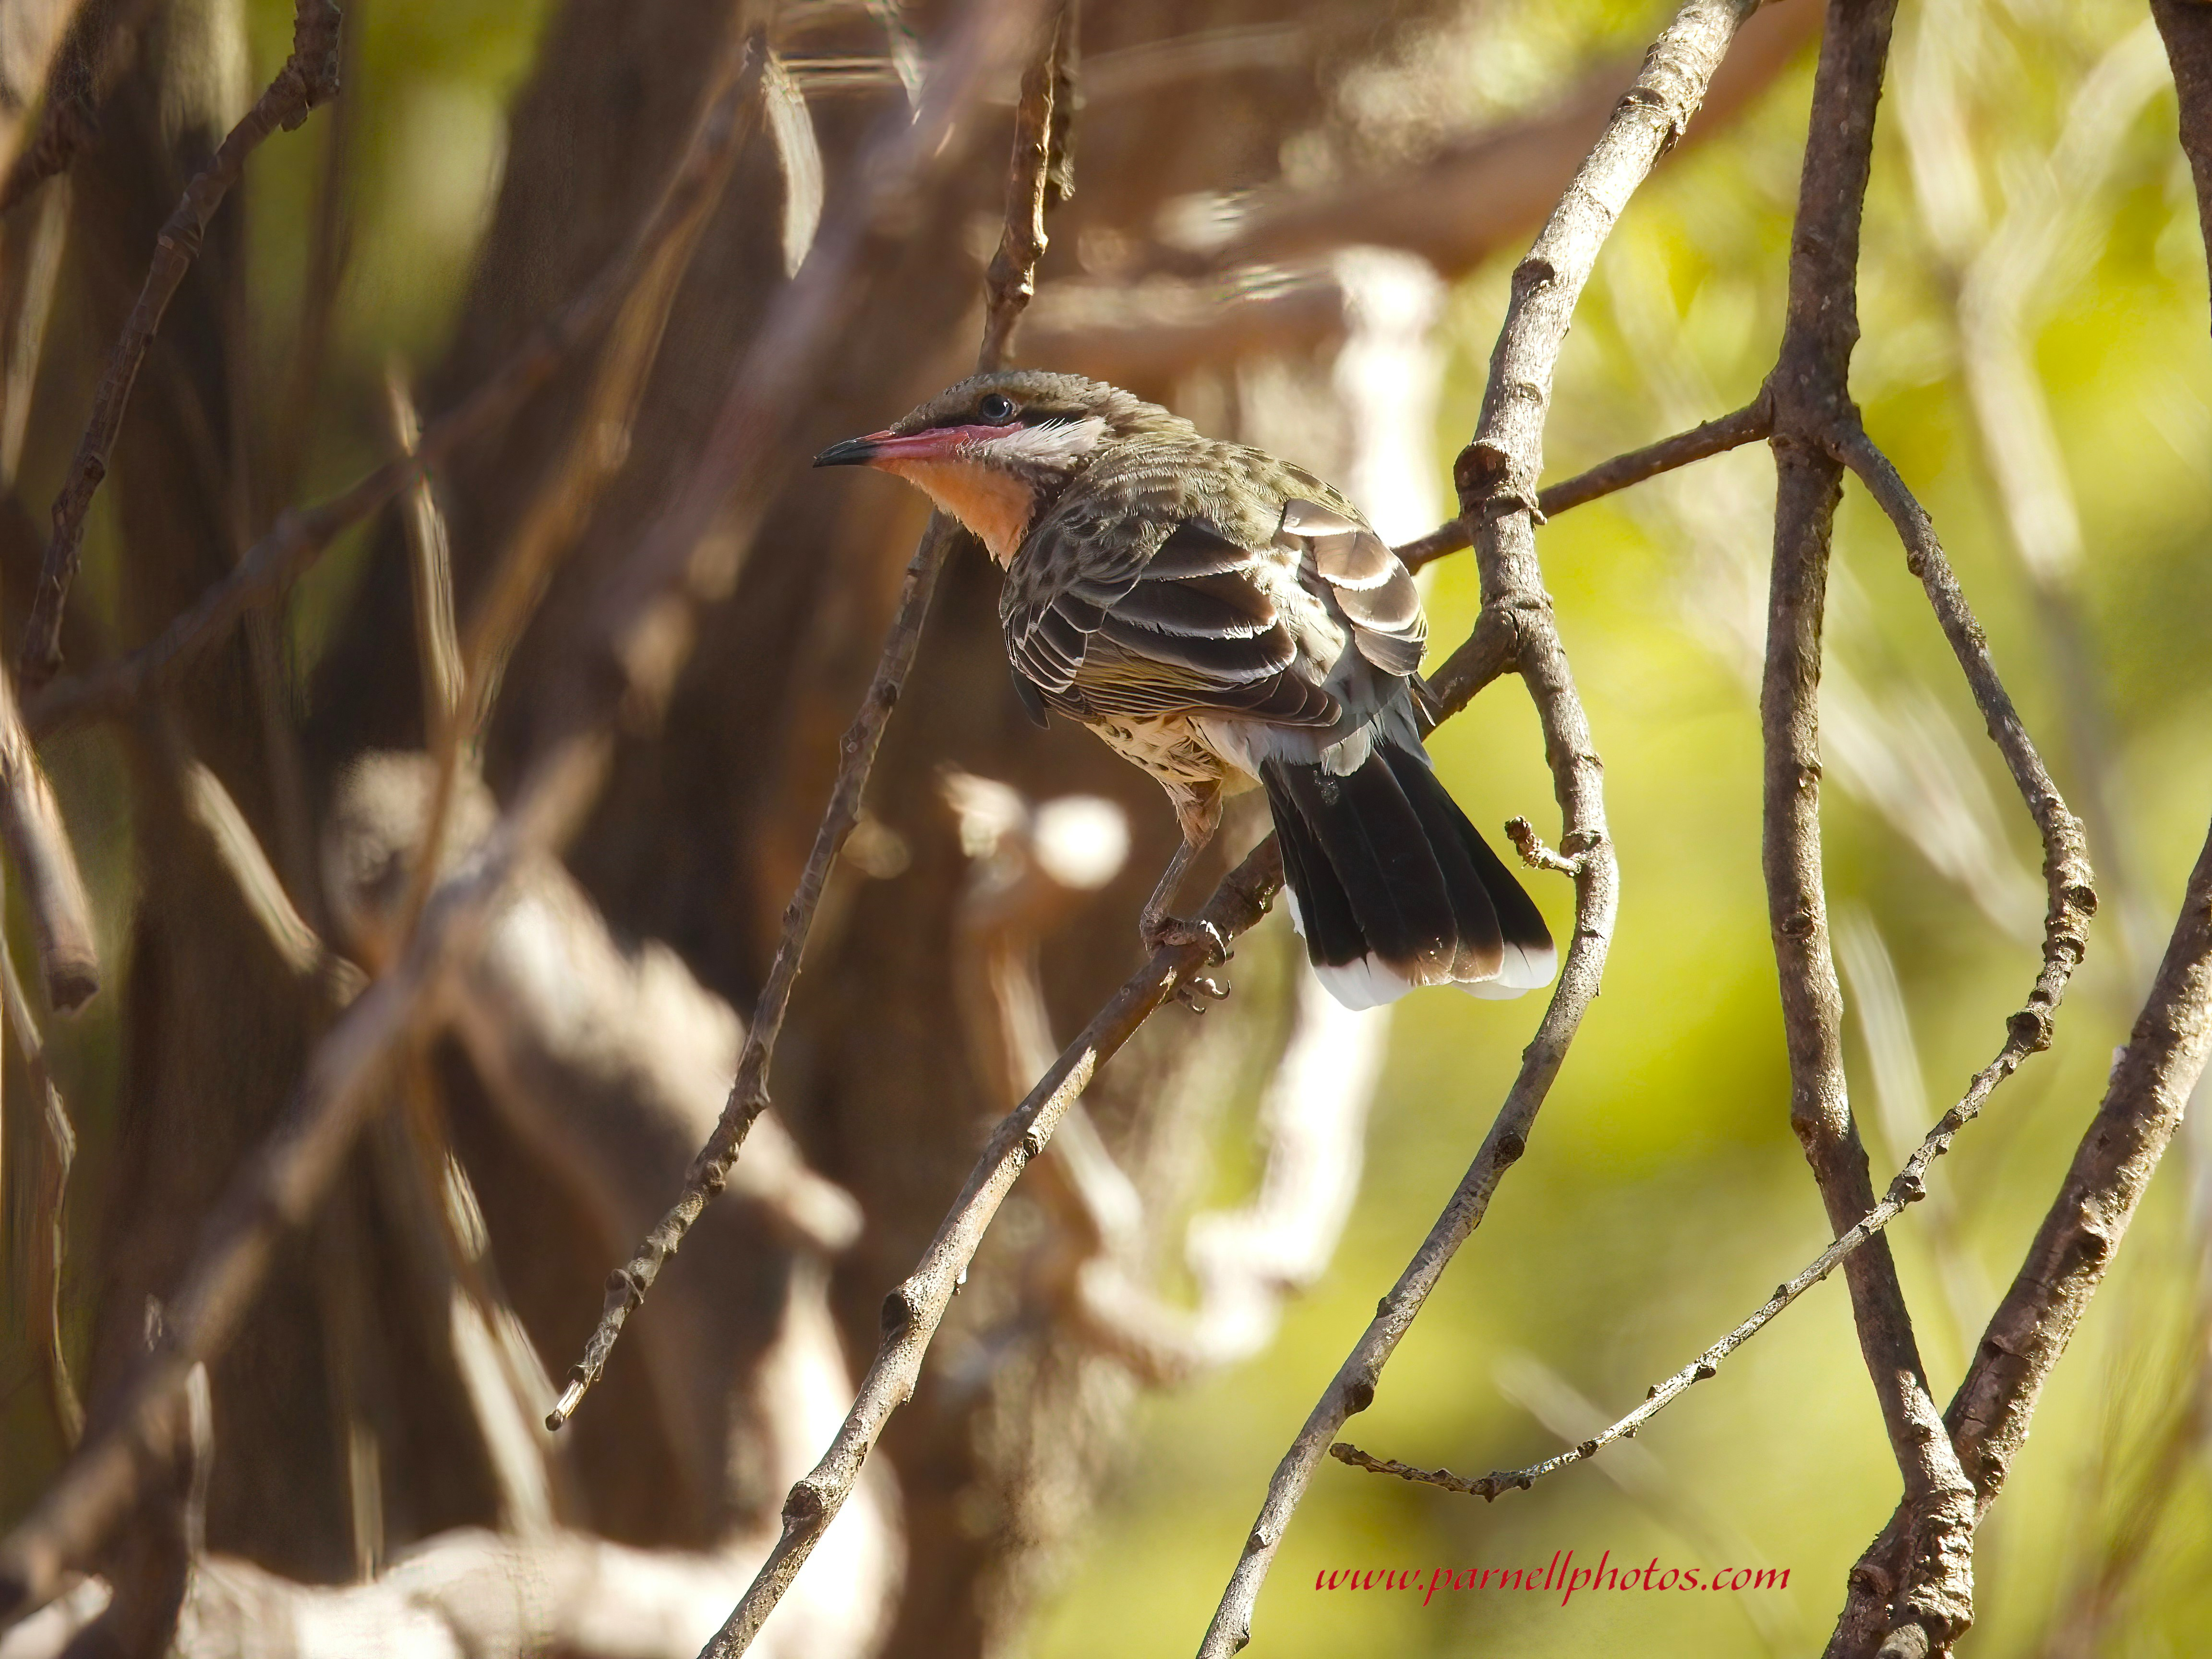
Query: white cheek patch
[(1054, 443)]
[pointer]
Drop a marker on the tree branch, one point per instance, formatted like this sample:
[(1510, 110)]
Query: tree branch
[(1811, 398), (1754, 421), (49, 1236), (38, 843), (1988, 1416), (1496, 476), (309, 77)]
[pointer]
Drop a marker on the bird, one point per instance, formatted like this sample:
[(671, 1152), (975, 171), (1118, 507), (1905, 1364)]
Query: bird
[(1226, 620)]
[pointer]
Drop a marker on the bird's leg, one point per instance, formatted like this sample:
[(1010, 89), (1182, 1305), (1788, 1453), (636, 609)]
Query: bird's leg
[(1198, 812)]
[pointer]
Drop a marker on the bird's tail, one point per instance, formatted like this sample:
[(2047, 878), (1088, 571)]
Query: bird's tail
[(1393, 888)]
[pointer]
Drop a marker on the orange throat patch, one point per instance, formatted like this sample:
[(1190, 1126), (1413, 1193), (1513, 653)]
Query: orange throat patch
[(996, 506)]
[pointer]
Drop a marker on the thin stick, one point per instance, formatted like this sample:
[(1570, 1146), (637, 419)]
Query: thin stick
[(1011, 283), (429, 569), (38, 842), (309, 77), (1496, 476), (597, 447), (49, 1235), (2067, 880), (1753, 422), (209, 806)]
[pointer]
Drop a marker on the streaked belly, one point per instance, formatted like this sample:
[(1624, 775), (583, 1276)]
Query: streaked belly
[(1173, 747)]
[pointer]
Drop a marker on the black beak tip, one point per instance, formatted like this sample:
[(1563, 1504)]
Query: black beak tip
[(852, 451)]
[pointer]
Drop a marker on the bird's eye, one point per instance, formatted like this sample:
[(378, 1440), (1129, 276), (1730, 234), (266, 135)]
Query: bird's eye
[(996, 407)]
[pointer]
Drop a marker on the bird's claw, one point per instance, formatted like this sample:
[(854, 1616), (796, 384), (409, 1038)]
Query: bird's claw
[(1169, 931), (1196, 991)]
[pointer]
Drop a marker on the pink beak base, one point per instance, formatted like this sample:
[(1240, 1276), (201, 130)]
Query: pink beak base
[(931, 444)]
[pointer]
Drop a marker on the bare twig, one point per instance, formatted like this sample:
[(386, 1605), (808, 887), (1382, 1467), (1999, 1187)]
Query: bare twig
[(50, 1237), (2069, 885), (1715, 437), (31, 821), (1496, 476), (39, 261), (1011, 281), (1533, 853), (429, 568), (210, 807), (308, 77)]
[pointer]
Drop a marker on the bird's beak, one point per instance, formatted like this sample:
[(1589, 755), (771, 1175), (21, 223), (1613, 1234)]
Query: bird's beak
[(887, 448), (854, 451)]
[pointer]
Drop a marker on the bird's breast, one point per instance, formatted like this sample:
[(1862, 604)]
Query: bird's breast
[(995, 504), (1174, 749)]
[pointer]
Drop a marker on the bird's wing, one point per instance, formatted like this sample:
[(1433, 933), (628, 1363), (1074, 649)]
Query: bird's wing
[(1151, 623), (1372, 590)]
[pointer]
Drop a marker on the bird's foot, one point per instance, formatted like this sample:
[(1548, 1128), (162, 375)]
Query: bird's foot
[(1194, 991), (1199, 992), (1166, 933)]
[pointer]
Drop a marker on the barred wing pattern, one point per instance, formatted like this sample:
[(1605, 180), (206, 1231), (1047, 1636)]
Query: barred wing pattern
[(1373, 591), (1098, 628)]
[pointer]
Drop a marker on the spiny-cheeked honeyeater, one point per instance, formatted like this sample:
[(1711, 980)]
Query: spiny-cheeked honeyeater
[(1221, 617)]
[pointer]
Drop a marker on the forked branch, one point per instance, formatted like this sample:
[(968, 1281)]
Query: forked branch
[(1715, 437)]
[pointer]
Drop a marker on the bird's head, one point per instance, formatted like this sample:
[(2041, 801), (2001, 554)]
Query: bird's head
[(996, 450)]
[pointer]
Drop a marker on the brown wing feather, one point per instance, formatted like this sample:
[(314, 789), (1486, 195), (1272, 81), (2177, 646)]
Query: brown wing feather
[(1373, 590), (1187, 630)]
